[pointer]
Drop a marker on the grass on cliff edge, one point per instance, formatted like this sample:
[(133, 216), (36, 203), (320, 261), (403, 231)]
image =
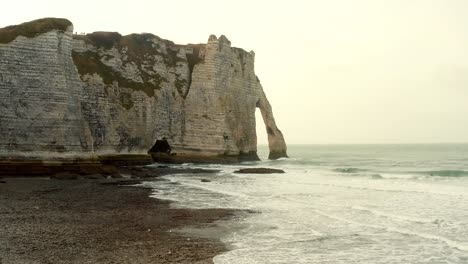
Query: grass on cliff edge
[(140, 50), (33, 28), (90, 63)]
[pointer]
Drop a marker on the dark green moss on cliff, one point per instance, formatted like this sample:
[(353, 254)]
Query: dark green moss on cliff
[(137, 46), (33, 28), (140, 46), (138, 49), (101, 39), (144, 51), (171, 58), (90, 63)]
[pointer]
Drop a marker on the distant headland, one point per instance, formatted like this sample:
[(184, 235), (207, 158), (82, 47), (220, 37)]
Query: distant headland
[(104, 98)]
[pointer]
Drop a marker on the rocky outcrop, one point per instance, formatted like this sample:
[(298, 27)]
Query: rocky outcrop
[(106, 94), (259, 171)]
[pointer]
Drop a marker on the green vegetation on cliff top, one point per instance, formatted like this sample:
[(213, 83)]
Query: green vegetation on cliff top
[(139, 46), (140, 49), (89, 63), (33, 28)]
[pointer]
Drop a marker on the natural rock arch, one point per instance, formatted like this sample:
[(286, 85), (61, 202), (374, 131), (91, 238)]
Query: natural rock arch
[(201, 97), (276, 142)]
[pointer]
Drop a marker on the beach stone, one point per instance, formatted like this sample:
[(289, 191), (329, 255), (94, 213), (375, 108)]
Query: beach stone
[(259, 171)]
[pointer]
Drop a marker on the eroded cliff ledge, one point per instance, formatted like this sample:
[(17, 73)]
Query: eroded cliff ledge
[(101, 94)]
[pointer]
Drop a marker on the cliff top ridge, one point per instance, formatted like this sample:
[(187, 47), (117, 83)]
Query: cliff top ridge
[(33, 28), (107, 40)]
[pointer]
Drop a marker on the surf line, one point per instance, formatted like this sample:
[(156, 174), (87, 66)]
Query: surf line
[(393, 216), (451, 243)]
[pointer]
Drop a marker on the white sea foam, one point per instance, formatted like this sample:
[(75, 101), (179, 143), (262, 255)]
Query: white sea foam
[(395, 216), (454, 244), (315, 214)]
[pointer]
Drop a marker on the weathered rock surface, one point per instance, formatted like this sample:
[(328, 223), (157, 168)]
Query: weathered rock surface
[(104, 94), (40, 95), (259, 171)]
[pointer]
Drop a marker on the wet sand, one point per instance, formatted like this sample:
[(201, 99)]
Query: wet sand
[(44, 220)]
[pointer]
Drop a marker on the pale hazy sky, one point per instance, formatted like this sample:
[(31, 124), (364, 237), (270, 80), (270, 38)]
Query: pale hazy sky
[(335, 71)]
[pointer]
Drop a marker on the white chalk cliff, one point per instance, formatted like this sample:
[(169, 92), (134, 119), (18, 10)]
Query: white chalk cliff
[(106, 94)]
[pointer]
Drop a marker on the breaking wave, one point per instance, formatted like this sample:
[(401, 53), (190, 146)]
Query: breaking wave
[(348, 170)]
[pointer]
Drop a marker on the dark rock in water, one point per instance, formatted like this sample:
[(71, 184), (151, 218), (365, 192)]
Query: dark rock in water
[(259, 171), (197, 171), (2, 181), (65, 176), (205, 180)]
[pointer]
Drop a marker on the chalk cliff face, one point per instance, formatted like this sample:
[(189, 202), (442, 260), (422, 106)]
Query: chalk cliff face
[(104, 93), (40, 91)]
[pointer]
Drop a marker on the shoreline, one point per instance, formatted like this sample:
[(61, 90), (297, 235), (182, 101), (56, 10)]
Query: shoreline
[(101, 221)]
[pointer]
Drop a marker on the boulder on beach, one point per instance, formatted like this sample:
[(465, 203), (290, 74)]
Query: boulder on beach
[(259, 171)]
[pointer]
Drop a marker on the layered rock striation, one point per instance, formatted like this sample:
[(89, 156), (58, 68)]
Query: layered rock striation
[(104, 94), (40, 93)]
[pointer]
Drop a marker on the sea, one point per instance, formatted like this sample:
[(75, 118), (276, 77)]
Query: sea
[(339, 204)]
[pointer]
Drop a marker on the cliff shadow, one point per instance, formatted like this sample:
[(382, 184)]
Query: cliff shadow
[(161, 147)]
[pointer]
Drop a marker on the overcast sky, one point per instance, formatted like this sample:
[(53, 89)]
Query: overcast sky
[(335, 71)]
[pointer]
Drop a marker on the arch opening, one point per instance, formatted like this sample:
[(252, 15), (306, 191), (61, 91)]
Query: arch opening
[(275, 139), (262, 136)]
